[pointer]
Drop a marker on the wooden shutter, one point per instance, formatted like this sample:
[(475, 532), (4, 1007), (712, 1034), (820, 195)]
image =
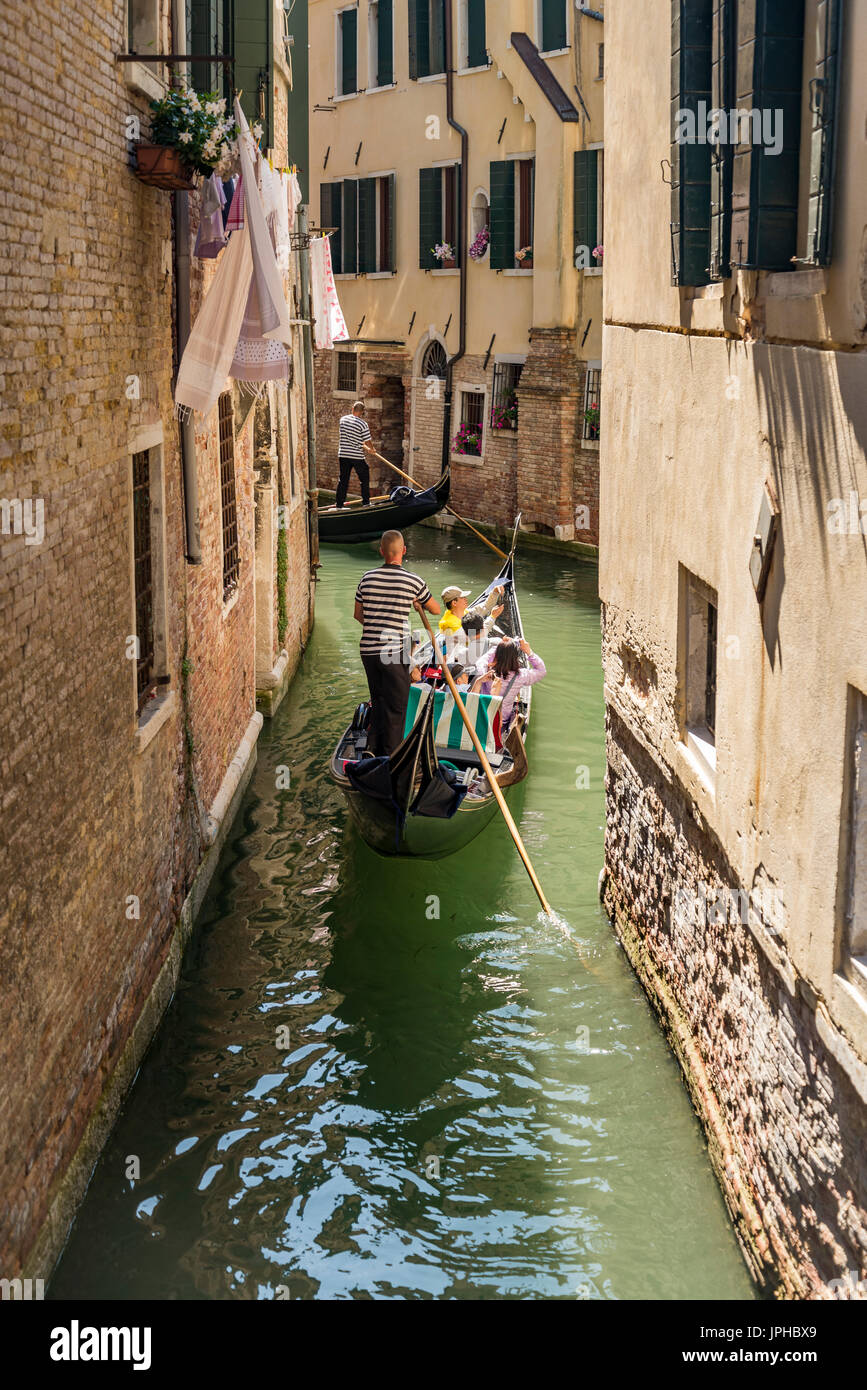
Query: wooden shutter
[(386, 185), (331, 215), (477, 39), (349, 51), (385, 43), (691, 61), (252, 75), (770, 44), (722, 98), (437, 36), (412, 16), (824, 99), (366, 226), (419, 38), (349, 225), (553, 25), (503, 215), (430, 216), (205, 35), (586, 200)]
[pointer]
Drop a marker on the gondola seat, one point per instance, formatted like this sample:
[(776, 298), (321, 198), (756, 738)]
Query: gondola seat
[(450, 732)]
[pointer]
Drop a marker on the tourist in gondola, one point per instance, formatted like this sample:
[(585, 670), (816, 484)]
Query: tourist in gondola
[(506, 677), (355, 442), (455, 600), (382, 602)]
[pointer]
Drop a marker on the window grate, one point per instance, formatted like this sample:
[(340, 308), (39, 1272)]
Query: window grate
[(710, 670), (592, 396), (435, 361), (347, 372), (504, 403), (471, 433), (143, 575), (231, 561)]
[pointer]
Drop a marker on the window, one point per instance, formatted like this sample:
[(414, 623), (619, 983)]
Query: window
[(592, 402), (347, 52), (228, 501), (439, 214), (363, 211), (205, 34), (249, 36), (588, 203), (473, 38), (512, 212), (552, 25), (690, 162), (381, 43), (427, 28), (471, 430), (600, 62), (143, 23), (143, 576), (699, 666), (855, 827), (346, 373), (435, 361), (504, 401)]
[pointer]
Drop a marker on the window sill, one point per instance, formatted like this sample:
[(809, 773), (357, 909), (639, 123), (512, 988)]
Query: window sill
[(389, 87), (590, 444), (230, 602), (445, 272), (380, 275), (553, 52), (792, 284), (699, 750), (467, 72), (516, 272), (432, 77), (141, 78), (592, 270), (345, 395), (347, 96), (155, 714), (474, 459), (345, 275), (714, 291)]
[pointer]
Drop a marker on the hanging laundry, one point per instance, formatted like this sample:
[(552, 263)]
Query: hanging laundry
[(211, 237), (330, 323), (229, 186), (236, 212), (249, 259), (283, 224), (258, 359)]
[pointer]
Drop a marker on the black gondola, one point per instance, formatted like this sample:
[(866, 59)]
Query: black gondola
[(404, 508), (411, 804)]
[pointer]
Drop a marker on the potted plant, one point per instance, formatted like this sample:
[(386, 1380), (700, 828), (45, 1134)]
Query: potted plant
[(524, 257), (190, 134), (505, 416), (481, 241), (468, 440), (599, 252), (445, 254), (591, 416)]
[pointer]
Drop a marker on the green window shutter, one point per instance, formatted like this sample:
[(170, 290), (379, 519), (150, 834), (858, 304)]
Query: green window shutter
[(770, 44), (691, 62), (349, 51), (392, 223), (385, 44), (824, 99), (419, 38), (205, 35), (367, 226), (430, 216), (477, 38), (412, 16), (437, 36), (586, 199), (331, 215), (722, 99), (350, 227), (553, 25), (503, 215), (252, 73)]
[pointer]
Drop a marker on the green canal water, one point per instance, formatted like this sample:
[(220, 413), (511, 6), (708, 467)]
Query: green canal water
[(353, 1097)]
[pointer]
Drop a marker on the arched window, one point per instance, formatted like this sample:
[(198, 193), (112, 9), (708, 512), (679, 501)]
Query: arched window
[(480, 225), (435, 360)]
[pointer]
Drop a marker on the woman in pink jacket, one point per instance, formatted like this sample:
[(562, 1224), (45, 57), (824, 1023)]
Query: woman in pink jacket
[(506, 677)]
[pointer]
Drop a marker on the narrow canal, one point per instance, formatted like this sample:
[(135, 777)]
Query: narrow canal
[(477, 1104)]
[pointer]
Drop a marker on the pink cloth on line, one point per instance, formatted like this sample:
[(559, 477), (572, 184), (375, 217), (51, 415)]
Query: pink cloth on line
[(236, 208), (330, 323)]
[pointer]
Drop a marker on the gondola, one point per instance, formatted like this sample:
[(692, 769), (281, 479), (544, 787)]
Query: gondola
[(404, 508), (425, 801)]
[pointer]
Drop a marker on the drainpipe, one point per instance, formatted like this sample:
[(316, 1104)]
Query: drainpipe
[(462, 240), (307, 339), (187, 429)]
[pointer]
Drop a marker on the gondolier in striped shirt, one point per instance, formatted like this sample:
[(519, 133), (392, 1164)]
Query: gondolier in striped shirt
[(383, 600), (354, 444)]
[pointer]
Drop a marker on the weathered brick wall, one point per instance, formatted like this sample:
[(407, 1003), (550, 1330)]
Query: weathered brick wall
[(87, 278), (786, 1127)]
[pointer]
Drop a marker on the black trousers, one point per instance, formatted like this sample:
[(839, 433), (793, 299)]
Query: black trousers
[(346, 467), (389, 684)]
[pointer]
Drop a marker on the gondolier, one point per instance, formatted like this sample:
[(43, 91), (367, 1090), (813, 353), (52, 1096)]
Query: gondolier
[(355, 442), (382, 602)]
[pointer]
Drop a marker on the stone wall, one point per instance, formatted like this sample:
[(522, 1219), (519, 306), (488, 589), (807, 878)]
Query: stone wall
[(777, 1089)]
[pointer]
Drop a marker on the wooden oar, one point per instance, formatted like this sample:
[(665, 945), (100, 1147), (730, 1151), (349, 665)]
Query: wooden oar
[(451, 510), (489, 772)]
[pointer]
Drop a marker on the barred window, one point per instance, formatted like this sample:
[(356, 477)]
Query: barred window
[(347, 372), (504, 403), (227, 494), (143, 575), (592, 400), (710, 670), (470, 435)]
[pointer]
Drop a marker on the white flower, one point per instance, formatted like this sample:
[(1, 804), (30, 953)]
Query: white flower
[(258, 130), (185, 137), (193, 101)]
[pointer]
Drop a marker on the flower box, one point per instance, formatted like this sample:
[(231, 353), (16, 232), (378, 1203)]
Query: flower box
[(162, 167)]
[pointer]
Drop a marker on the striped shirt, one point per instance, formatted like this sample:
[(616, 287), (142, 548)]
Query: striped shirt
[(353, 432), (386, 595)]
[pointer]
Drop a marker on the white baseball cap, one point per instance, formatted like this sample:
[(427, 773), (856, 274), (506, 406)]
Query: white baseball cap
[(452, 592)]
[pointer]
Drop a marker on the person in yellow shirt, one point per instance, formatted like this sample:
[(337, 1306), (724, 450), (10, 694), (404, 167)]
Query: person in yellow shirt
[(455, 605)]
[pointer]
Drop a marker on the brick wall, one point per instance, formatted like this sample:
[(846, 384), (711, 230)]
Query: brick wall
[(786, 1127)]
